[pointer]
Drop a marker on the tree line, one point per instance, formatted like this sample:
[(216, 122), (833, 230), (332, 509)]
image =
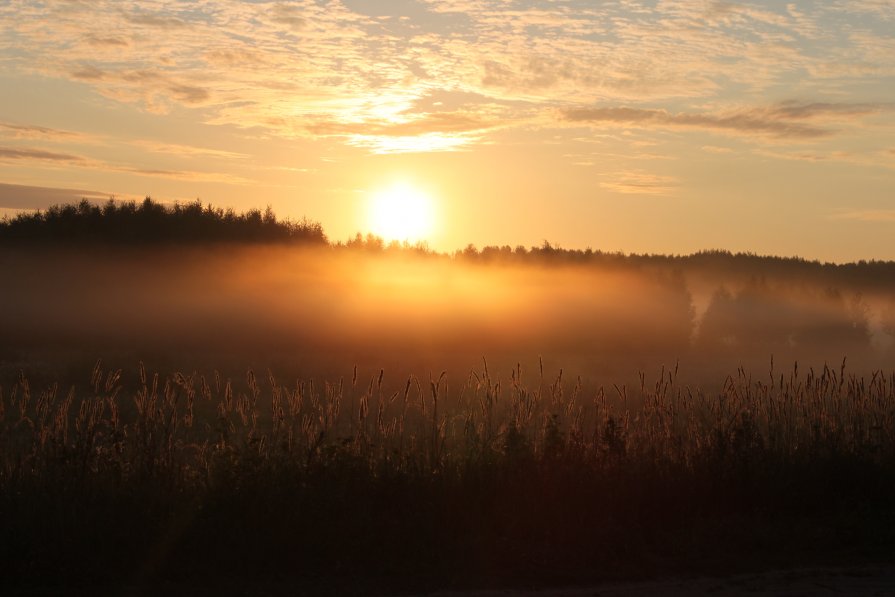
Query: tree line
[(152, 222)]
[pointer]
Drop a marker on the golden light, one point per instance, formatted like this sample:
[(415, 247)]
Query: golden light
[(401, 212), (385, 144)]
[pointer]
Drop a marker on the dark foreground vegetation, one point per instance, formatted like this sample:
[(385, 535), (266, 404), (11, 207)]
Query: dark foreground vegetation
[(358, 486), (151, 222)]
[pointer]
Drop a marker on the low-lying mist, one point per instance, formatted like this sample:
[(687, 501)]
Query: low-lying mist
[(323, 311)]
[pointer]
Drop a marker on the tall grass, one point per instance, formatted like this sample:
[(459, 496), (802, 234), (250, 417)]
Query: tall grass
[(487, 478)]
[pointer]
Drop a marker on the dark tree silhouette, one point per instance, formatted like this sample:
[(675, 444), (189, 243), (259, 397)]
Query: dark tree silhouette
[(151, 222)]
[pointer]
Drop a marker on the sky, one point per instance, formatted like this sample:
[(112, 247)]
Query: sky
[(623, 125)]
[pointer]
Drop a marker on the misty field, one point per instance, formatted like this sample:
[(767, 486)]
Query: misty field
[(369, 417)]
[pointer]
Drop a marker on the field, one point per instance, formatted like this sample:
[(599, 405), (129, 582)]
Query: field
[(365, 418), (354, 485)]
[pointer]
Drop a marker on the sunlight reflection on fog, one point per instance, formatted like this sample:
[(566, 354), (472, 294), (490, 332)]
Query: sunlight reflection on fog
[(325, 311)]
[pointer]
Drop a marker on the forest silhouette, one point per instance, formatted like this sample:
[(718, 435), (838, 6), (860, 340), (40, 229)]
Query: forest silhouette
[(153, 222), (129, 223)]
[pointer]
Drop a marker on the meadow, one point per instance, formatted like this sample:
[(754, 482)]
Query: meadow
[(262, 407), (360, 486)]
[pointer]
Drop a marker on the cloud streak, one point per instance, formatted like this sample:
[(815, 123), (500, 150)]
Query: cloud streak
[(641, 183), (26, 197), (787, 121), (867, 215), (31, 131), (28, 153), (37, 155)]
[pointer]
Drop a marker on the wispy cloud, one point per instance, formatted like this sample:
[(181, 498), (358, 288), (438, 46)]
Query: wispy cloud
[(289, 15), (787, 120), (26, 197), (155, 20), (31, 131), (106, 40), (28, 153), (423, 124), (189, 94), (187, 150), (421, 143), (87, 72), (873, 158), (716, 149), (880, 9), (867, 215), (641, 183)]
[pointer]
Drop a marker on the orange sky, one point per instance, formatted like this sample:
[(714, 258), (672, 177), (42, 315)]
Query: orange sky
[(621, 125)]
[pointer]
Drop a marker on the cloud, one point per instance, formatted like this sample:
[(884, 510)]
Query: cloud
[(867, 215), (15, 153), (31, 131), (795, 110), (423, 124), (420, 143), (234, 58), (26, 197), (151, 85), (716, 149), (88, 73), (784, 120), (191, 175), (872, 158), (292, 68), (807, 156), (879, 9), (187, 150), (156, 21), (288, 15), (9, 154), (106, 41), (414, 133), (189, 94), (641, 183)]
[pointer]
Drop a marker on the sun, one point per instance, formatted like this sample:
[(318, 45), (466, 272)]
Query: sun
[(402, 213)]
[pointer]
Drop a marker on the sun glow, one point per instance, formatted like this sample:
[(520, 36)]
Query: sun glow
[(401, 212)]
